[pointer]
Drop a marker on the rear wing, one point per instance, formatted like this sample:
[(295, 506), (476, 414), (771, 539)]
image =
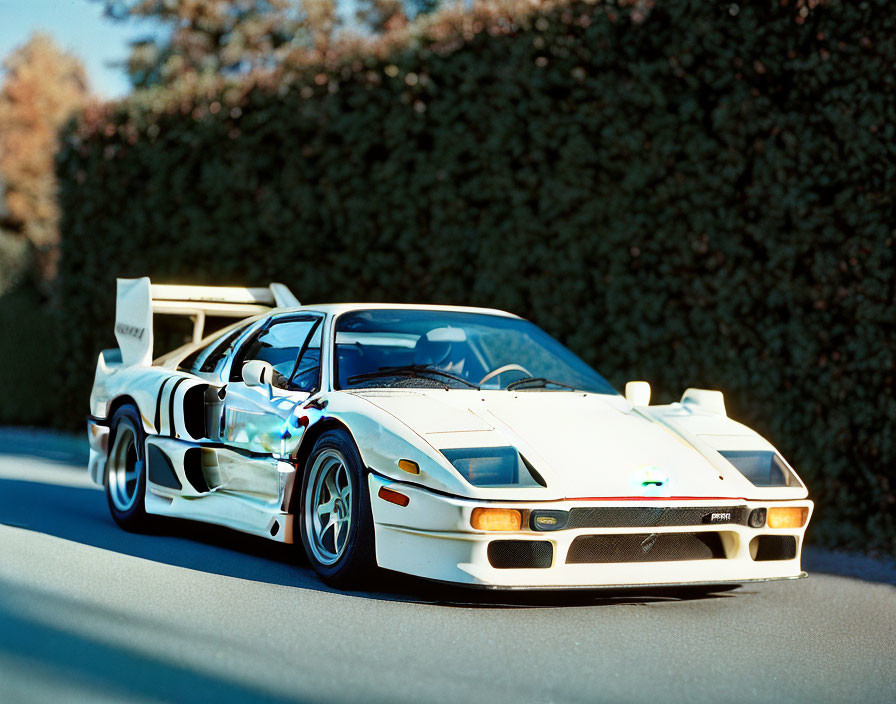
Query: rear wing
[(138, 299)]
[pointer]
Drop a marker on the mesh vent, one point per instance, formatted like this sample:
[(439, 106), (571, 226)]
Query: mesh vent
[(775, 547), (520, 554), (645, 547), (659, 516)]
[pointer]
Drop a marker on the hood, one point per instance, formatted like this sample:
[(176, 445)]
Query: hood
[(584, 445)]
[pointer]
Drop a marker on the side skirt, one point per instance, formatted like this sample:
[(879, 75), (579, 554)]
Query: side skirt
[(219, 485)]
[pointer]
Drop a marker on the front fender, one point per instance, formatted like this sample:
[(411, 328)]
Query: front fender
[(383, 440), (709, 433)]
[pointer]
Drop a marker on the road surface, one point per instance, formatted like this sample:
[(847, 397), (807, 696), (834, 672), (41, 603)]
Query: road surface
[(91, 613)]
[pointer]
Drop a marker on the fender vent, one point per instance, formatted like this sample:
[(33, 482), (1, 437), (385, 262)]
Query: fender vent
[(645, 547)]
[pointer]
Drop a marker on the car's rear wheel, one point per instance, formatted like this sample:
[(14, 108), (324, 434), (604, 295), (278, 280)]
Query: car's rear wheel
[(336, 524), (125, 479)]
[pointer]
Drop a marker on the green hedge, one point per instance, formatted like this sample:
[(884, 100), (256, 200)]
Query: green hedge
[(699, 194), (29, 359)]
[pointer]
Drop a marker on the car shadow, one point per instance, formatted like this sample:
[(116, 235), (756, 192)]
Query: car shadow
[(81, 514)]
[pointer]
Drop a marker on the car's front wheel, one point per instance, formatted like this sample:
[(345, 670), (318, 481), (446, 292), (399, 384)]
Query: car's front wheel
[(336, 524), (125, 479)]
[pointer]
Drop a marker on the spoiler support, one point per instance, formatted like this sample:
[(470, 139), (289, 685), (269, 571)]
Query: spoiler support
[(139, 299)]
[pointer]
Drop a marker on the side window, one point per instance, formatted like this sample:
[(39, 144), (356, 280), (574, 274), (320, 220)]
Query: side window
[(307, 368), (187, 363), (292, 347), (210, 363), (205, 359)]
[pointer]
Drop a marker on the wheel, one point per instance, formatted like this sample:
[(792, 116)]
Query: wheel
[(125, 479), (336, 524)]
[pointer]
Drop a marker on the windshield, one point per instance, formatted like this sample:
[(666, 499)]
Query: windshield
[(454, 350)]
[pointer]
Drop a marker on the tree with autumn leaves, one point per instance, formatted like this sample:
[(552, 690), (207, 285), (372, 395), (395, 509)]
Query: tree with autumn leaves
[(195, 38), (203, 37), (42, 87)]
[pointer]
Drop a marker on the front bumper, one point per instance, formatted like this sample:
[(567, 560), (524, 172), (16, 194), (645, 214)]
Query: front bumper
[(431, 537)]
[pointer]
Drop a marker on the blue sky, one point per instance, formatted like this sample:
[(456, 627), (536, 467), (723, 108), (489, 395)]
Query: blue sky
[(79, 27)]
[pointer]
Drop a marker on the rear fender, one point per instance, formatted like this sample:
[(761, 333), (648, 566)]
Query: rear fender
[(170, 404)]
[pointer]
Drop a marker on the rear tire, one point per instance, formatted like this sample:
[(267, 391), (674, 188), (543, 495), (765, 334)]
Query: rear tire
[(125, 475), (335, 522)]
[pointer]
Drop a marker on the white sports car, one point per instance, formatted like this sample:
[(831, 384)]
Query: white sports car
[(458, 444)]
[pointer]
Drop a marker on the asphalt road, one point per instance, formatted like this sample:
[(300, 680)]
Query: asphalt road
[(90, 613)]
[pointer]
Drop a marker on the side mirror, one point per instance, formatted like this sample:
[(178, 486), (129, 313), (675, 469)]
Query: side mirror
[(258, 373), (638, 393)]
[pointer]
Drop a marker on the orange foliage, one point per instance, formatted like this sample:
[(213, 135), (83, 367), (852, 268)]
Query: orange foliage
[(209, 37), (42, 87)]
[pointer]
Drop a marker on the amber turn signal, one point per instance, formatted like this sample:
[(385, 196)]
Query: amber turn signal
[(496, 519), (409, 466), (788, 517), (393, 497)]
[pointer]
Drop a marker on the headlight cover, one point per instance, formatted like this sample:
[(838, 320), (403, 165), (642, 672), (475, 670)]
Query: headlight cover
[(493, 466), (761, 467)]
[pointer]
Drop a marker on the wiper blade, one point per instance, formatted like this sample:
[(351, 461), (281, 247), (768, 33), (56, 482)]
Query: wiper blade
[(538, 381), (385, 373), (429, 369), (416, 370)]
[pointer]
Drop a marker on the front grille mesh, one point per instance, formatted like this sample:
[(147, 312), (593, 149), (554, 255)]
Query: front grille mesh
[(645, 547), (660, 517)]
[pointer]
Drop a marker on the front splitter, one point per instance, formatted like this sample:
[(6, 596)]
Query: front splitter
[(614, 587)]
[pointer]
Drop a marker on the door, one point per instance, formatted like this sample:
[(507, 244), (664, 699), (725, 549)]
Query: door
[(254, 417)]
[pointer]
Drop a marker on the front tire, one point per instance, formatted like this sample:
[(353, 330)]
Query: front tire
[(125, 476), (336, 524)]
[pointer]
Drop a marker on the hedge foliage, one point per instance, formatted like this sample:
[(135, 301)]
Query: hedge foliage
[(29, 357), (694, 193)]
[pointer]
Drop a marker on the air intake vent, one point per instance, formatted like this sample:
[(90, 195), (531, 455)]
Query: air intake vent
[(645, 547), (193, 469), (650, 516), (775, 547), (161, 471), (520, 554)]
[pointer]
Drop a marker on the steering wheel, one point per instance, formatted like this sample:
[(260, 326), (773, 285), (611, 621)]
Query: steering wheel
[(506, 368)]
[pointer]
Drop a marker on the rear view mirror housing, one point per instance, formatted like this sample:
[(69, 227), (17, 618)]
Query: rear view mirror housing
[(258, 373)]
